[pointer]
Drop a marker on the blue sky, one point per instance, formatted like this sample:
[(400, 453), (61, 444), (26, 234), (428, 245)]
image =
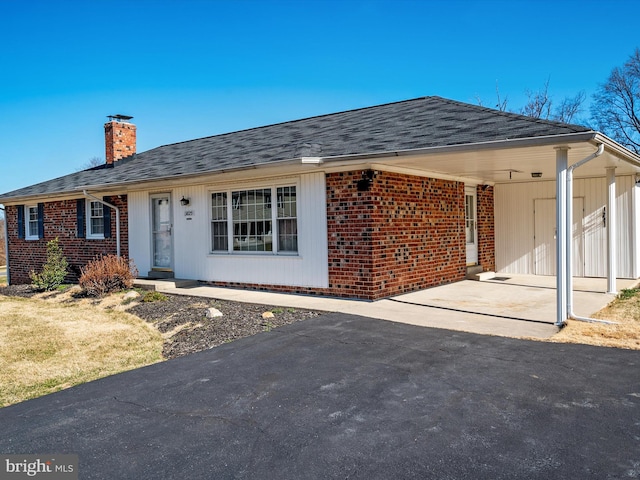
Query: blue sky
[(192, 68)]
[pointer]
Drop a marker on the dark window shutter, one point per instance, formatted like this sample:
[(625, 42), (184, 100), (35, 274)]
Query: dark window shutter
[(20, 209), (80, 207), (41, 220), (106, 216)]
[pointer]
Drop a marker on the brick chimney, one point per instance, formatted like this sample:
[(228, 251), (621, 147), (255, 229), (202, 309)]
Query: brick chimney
[(119, 138)]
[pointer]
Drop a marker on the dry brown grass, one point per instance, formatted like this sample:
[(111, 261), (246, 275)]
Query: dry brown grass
[(624, 310), (46, 346)]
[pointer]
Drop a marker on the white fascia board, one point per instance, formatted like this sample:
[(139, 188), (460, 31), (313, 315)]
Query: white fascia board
[(614, 148)]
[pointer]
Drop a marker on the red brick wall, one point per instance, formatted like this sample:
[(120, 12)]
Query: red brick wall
[(60, 219), (486, 229), (404, 234)]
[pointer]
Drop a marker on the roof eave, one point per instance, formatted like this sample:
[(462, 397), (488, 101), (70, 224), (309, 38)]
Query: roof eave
[(618, 150), (547, 140)]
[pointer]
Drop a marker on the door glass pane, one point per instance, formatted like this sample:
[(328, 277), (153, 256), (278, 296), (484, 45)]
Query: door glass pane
[(161, 233), (470, 218)]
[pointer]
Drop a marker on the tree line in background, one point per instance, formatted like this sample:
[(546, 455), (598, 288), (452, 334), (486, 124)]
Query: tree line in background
[(615, 110)]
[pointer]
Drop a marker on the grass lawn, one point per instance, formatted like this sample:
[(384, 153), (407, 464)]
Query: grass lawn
[(624, 310), (47, 346)]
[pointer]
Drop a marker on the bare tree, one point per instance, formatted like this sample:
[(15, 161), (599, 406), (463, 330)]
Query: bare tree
[(502, 102), (91, 163), (616, 107), (540, 105), (569, 107)]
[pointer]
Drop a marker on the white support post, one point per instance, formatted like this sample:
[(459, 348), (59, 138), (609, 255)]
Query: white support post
[(562, 273), (610, 219), (569, 241)]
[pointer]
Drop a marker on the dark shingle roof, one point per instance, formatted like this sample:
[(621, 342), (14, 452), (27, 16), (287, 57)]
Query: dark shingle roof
[(411, 124)]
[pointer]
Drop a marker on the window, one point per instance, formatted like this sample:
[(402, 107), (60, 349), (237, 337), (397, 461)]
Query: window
[(287, 221), (95, 220), (31, 222), (250, 221), (219, 230)]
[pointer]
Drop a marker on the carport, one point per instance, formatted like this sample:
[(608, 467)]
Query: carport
[(557, 157)]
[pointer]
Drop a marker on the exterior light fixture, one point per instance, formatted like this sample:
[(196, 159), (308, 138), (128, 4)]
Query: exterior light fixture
[(536, 174), (184, 201), (311, 160), (366, 181)]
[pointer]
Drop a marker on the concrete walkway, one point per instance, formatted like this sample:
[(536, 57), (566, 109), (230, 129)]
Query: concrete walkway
[(520, 306)]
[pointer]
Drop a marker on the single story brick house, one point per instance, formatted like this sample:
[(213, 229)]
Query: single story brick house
[(366, 203)]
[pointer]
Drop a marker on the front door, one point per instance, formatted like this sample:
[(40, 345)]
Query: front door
[(161, 227), (471, 224)]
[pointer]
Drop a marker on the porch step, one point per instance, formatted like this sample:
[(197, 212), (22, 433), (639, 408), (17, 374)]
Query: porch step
[(155, 274), (151, 283), (475, 273)]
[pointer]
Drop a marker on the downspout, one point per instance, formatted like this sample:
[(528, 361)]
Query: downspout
[(569, 238), (6, 244), (88, 195)]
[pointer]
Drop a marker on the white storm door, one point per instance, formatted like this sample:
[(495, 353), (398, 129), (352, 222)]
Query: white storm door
[(471, 225), (544, 214), (161, 232)]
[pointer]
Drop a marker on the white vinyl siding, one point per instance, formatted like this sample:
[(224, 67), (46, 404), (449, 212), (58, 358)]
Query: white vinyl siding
[(193, 258), (515, 225)]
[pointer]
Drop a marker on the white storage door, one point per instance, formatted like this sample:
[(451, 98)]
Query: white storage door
[(544, 214)]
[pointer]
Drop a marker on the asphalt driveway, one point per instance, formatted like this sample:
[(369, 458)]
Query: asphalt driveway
[(343, 396)]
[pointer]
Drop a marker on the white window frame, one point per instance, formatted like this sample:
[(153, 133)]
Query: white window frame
[(232, 205), (28, 235), (88, 211)]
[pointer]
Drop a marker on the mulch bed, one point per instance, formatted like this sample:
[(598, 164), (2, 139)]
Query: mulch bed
[(185, 316)]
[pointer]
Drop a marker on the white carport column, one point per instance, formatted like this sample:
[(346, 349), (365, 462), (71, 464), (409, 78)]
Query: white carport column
[(562, 266), (611, 230)]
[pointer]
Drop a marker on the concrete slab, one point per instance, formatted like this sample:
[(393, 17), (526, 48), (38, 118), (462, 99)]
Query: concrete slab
[(519, 306)]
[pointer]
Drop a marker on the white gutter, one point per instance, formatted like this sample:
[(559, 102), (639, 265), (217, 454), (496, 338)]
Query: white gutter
[(6, 244), (88, 195), (569, 238)]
